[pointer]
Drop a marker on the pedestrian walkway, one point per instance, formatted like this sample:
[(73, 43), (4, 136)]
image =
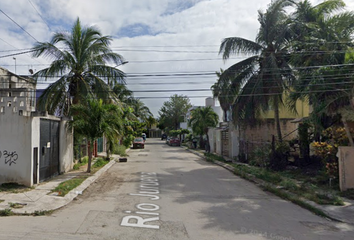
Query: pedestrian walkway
[(340, 213), (42, 199)]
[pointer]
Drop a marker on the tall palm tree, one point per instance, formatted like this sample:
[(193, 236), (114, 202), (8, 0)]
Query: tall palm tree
[(122, 92), (140, 110), (265, 77), (201, 119), (324, 37), (80, 61), (94, 119)]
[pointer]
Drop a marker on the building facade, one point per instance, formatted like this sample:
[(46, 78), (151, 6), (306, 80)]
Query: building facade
[(33, 145)]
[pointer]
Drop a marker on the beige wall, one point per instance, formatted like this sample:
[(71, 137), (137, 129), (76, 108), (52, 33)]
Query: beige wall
[(264, 132), (346, 167)]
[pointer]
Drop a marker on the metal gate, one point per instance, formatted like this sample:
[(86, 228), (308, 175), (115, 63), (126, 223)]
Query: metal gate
[(49, 149), (225, 142)]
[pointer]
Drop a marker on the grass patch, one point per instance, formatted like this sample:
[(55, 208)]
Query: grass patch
[(66, 186), (6, 212), (42, 213), (100, 162), (13, 188), (120, 150), (295, 182), (16, 205), (83, 161), (296, 200)]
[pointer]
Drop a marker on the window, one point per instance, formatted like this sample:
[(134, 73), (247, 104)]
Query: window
[(14, 109), (22, 104), (9, 104), (2, 110), (20, 112), (2, 99), (15, 99)]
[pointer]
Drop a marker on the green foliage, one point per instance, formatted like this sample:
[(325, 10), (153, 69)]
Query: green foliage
[(100, 162), (279, 158), (261, 156), (83, 161), (128, 140), (213, 157), (120, 150), (173, 111), (6, 212), (66, 186), (201, 119), (81, 60)]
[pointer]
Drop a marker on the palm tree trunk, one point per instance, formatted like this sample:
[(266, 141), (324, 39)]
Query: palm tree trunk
[(208, 144), (89, 156), (277, 120)]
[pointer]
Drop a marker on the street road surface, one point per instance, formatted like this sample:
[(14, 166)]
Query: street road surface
[(165, 192)]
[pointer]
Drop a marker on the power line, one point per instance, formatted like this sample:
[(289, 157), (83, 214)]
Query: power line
[(18, 25), (38, 13)]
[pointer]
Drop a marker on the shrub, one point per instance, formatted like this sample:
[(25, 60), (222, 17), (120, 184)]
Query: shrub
[(120, 150), (279, 159), (260, 156)]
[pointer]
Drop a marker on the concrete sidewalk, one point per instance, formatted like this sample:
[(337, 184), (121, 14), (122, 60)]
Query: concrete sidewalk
[(41, 199), (340, 213)]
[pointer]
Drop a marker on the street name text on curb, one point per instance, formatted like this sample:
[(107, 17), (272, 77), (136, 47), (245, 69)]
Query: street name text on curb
[(149, 188)]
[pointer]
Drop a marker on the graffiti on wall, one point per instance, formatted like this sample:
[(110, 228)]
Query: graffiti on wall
[(9, 157)]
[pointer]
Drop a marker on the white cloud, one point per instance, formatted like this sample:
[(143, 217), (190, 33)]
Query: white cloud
[(198, 23)]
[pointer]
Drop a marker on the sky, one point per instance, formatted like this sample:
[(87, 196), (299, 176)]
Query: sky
[(171, 45)]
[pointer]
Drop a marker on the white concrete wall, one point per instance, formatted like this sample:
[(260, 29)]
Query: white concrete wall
[(218, 149), (66, 148), (35, 143), (212, 139), (234, 143), (16, 148)]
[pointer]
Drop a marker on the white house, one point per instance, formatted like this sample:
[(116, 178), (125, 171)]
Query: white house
[(33, 145)]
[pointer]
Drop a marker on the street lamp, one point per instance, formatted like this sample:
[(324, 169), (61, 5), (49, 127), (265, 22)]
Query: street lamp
[(15, 63)]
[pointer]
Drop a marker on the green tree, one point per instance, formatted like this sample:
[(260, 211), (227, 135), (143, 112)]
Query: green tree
[(140, 110), (93, 119), (172, 112), (201, 119), (321, 54), (80, 61), (225, 91), (122, 92), (265, 77)]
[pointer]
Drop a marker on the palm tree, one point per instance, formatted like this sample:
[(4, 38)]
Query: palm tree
[(122, 92), (93, 119), (321, 55), (225, 91), (264, 77), (80, 63), (201, 119), (141, 111)]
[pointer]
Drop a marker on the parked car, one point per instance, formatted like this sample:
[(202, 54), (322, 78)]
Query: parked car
[(138, 143), (174, 142)]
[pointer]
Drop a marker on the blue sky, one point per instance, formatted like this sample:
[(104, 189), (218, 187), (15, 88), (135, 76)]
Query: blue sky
[(155, 36)]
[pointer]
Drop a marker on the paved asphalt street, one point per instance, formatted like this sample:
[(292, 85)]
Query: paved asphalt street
[(165, 192)]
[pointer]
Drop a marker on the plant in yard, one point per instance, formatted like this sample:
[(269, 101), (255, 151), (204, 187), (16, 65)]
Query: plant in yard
[(260, 156), (93, 120), (327, 150), (201, 119)]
